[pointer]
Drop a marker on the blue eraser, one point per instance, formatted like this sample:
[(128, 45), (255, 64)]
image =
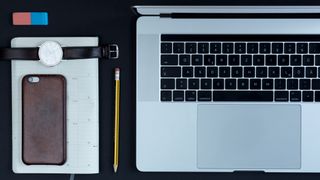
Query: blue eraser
[(39, 18)]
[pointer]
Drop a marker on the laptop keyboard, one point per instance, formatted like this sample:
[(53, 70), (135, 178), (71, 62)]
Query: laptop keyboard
[(240, 68)]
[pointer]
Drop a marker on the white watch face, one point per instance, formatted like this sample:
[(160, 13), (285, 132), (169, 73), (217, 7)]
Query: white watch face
[(50, 53)]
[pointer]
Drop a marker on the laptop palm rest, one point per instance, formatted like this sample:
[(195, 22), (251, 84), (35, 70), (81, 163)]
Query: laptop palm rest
[(249, 137)]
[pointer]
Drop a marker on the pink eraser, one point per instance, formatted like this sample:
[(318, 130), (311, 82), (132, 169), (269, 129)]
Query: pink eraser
[(21, 18)]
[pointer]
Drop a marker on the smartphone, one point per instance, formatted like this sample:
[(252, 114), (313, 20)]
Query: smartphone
[(44, 119)]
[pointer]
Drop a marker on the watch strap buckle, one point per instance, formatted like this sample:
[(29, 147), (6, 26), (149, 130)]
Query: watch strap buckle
[(110, 51)]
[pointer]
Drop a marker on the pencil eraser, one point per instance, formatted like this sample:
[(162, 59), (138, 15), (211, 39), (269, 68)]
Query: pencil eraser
[(30, 18)]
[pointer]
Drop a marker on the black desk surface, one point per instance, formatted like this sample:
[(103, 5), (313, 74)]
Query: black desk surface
[(114, 22)]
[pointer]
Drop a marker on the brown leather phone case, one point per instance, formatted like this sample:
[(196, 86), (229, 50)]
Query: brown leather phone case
[(44, 119)]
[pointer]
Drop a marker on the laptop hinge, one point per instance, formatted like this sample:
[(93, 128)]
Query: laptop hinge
[(165, 15), (241, 15)]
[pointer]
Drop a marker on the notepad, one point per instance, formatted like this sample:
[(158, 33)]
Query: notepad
[(82, 108)]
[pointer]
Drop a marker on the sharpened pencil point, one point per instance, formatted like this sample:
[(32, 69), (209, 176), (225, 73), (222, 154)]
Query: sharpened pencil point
[(115, 168)]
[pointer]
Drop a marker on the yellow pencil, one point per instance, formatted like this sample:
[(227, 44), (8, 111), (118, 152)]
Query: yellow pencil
[(116, 120)]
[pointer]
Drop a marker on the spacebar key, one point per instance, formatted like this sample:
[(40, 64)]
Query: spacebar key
[(242, 96)]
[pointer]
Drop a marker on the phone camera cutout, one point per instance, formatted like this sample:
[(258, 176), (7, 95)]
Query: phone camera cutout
[(33, 79)]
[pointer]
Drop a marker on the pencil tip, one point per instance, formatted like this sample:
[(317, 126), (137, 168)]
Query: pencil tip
[(115, 168)]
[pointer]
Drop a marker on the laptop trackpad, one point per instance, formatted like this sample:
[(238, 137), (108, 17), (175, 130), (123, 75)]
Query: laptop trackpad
[(249, 136)]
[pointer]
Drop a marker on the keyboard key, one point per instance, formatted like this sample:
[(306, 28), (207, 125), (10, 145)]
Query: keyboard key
[(311, 72), (234, 60), (167, 84), (224, 71), (298, 72), (261, 72), (249, 72), (317, 96), (307, 96), (209, 60), (289, 48), (191, 95), (203, 47), (295, 96), (212, 71), (295, 60), (178, 47), (215, 47), (204, 95), (187, 71), (196, 59), (274, 71), (302, 47), (206, 83), (221, 60), (255, 83), (166, 95), (191, 47), (267, 83), (178, 96), (258, 60), (243, 84), (193, 83), (242, 96), (236, 71), (265, 47), (314, 48), (317, 60), (246, 60), (240, 48), (283, 60), (316, 84), (166, 47), (271, 60), (308, 60), (181, 83), (169, 59), (217, 83), (286, 72), (304, 83), (199, 71), (230, 83), (184, 59), (282, 96), (227, 47), (292, 84), (252, 48), (170, 72), (279, 83), (277, 48)]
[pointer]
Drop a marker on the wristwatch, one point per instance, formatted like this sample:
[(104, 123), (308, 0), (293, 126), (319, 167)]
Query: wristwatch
[(51, 53)]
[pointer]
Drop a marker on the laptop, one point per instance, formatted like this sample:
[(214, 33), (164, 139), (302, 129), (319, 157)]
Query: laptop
[(228, 88)]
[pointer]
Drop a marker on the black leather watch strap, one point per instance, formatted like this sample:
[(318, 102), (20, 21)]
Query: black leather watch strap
[(19, 53), (81, 52), (108, 52)]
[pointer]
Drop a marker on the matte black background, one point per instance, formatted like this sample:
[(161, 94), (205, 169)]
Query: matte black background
[(114, 22)]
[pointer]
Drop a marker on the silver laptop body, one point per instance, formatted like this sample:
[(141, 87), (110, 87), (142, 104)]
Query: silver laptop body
[(241, 125)]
